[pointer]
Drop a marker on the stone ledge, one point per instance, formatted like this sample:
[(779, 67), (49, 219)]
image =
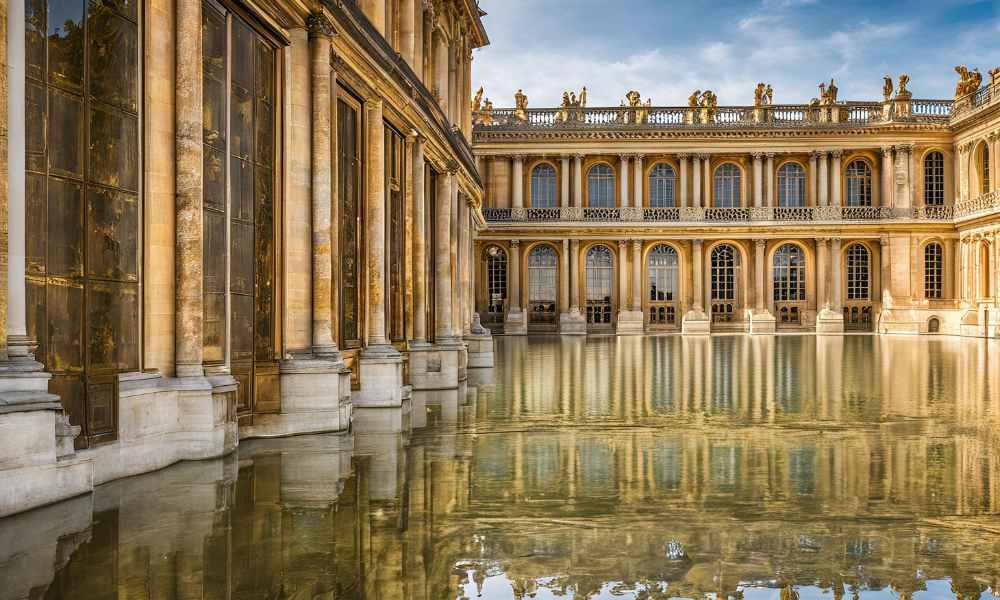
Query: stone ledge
[(27, 400)]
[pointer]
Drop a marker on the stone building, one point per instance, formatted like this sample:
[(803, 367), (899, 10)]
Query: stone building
[(227, 220), (833, 216)]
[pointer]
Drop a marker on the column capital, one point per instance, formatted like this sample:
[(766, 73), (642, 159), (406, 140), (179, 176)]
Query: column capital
[(883, 240), (639, 156), (697, 241), (886, 151), (757, 155), (704, 156), (564, 157), (836, 153), (319, 25), (621, 245), (636, 244), (815, 154), (373, 103), (578, 156), (515, 243), (760, 243), (623, 157), (518, 158), (770, 154), (823, 240), (907, 148), (683, 155)]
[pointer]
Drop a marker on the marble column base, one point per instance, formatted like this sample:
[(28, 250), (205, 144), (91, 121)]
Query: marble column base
[(696, 322), (630, 322), (315, 398), (762, 322), (516, 323), (480, 350), (381, 371), (572, 323), (829, 322), (435, 367)]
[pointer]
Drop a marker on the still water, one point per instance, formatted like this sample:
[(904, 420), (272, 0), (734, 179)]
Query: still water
[(764, 468)]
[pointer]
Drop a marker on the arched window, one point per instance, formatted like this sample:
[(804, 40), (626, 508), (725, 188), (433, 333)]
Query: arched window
[(496, 283), (791, 185), (543, 186), (543, 269), (859, 184), (934, 179), (727, 185), (933, 270), (600, 186), (725, 261), (600, 273), (858, 273), (663, 290), (789, 274), (984, 169), (662, 180)]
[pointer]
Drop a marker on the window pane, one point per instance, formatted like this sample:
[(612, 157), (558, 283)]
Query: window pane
[(934, 179), (859, 184), (543, 186), (727, 186), (933, 271), (791, 185), (600, 186), (661, 185)]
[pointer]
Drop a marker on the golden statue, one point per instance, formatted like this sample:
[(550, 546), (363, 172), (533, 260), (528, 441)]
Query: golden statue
[(477, 99), (769, 95), (758, 94), (634, 98), (827, 95), (693, 99), (583, 97), (902, 93), (486, 114), (520, 106), (969, 81), (887, 88)]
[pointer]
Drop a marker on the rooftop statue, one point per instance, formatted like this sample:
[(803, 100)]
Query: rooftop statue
[(520, 106), (569, 110), (477, 99), (634, 98), (763, 95), (693, 99), (887, 88), (827, 95), (968, 82), (769, 95), (902, 93)]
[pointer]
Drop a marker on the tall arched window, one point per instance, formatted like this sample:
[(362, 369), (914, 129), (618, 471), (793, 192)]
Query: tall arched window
[(725, 261), (727, 186), (984, 169), (543, 186), (934, 179), (789, 283), (791, 185), (858, 273), (933, 271), (662, 180), (496, 284), (600, 273), (663, 279), (859, 184), (600, 186), (543, 269)]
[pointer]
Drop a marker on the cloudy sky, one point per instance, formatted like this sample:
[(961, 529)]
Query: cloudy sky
[(667, 48)]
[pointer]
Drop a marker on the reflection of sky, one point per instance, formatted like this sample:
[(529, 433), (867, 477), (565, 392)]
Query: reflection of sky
[(60, 12)]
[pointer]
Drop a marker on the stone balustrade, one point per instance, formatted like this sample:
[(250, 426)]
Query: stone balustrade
[(979, 206), (721, 216)]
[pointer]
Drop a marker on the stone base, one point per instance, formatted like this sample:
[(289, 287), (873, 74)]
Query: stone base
[(435, 367), (762, 322), (829, 322), (572, 323), (696, 322), (463, 362), (480, 351), (315, 398), (630, 322), (381, 378), (516, 323)]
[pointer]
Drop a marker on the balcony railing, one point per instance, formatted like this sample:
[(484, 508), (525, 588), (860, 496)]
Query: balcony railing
[(714, 215), (984, 204)]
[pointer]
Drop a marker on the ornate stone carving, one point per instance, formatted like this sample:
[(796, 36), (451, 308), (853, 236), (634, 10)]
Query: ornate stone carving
[(968, 82), (520, 106), (318, 25)]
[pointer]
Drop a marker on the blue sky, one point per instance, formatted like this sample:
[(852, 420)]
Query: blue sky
[(665, 48)]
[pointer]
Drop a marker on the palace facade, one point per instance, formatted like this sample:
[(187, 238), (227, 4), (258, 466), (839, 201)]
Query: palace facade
[(225, 220), (828, 217)]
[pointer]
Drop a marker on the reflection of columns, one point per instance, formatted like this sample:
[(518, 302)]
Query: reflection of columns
[(637, 181), (824, 180), (623, 181), (17, 342), (577, 180), (622, 276), (697, 277), (419, 244), (696, 183), (759, 248), (515, 276), (682, 200), (189, 184), (375, 231), (564, 277), (574, 275), (320, 30), (442, 259), (835, 275), (813, 191), (769, 199), (564, 174), (886, 197), (822, 258), (517, 183), (835, 199), (758, 192), (636, 275)]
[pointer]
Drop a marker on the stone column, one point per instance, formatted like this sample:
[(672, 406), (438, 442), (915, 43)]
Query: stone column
[(564, 177), (375, 227), (950, 272), (441, 68), (623, 181), (419, 244), (824, 181), (706, 180), (464, 245), (696, 183), (885, 197), (564, 277), (407, 33), (760, 247), (320, 31), (517, 182), (18, 344), (822, 271), (835, 178), (758, 192), (456, 267), (577, 180), (574, 275), (884, 273), (515, 276), (189, 185), (682, 200), (904, 197), (813, 188), (697, 276), (637, 181), (442, 261), (837, 265), (622, 276), (636, 275), (769, 197)]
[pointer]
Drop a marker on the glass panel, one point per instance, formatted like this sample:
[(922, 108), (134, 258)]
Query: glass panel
[(65, 34), (934, 179), (662, 274), (543, 187), (348, 169), (727, 191), (789, 275), (114, 149), (113, 45), (37, 228), (933, 271), (264, 265), (65, 130), (661, 185), (859, 184), (791, 185), (542, 274), (64, 322), (858, 268), (35, 120), (214, 69), (113, 229), (65, 229), (35, 34), (600, 186), (112, 337)]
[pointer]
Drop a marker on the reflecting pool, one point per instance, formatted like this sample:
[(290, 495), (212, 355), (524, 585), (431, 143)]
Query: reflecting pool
[(761, 468)]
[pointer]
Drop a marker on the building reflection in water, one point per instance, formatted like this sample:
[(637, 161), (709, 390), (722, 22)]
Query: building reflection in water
[(727, 467)]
